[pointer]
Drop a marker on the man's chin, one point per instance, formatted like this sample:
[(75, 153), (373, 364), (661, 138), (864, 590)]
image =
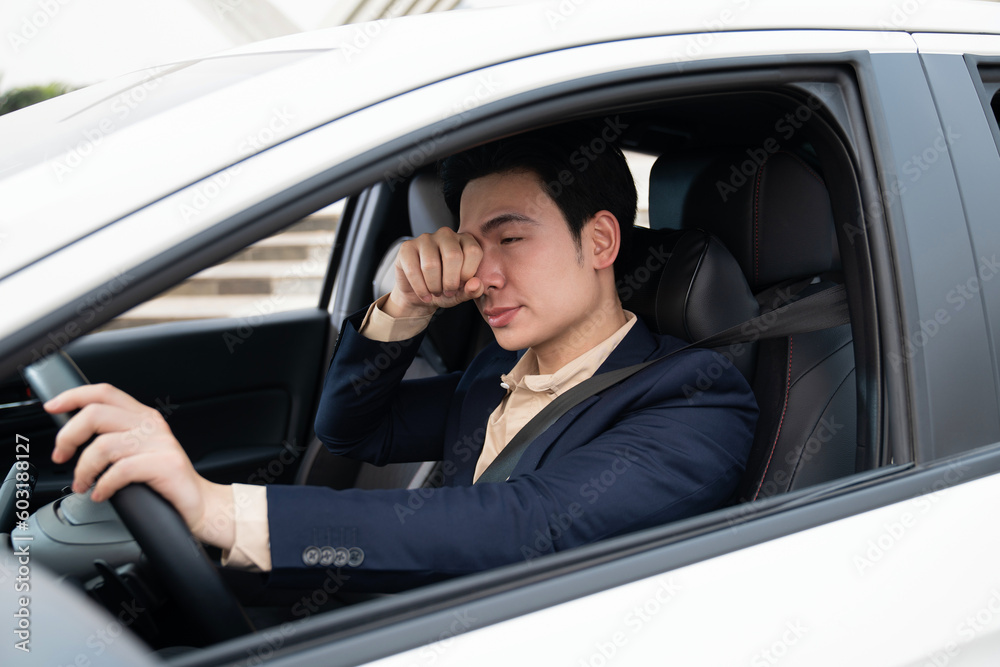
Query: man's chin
[(511, 340)]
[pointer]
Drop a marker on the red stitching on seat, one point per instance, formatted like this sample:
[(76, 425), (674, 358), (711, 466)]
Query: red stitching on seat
[(788, 386), (756, 224)]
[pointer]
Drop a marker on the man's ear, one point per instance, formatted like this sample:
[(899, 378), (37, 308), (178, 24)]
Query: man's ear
[(606, 237)]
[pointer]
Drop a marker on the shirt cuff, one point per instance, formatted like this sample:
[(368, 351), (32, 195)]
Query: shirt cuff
[(252, 546), (384, 328)]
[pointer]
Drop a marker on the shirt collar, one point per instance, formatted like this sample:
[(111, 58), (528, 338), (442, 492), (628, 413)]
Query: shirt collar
[(525, 372)]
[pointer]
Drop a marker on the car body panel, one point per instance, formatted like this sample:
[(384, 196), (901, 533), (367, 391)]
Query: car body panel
[(805, 599), (960, 110), (919, 187)]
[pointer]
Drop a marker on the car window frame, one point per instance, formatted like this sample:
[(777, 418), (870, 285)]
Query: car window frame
[(689, 541)]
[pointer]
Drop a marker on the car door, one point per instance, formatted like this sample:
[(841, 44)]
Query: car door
[(887, 558), (900, 570), (237, 391)]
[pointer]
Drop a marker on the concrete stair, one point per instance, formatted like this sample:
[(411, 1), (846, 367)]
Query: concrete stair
[(282, 272)]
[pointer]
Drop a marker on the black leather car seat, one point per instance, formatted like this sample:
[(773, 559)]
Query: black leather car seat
[(687, 284), (775, 217)]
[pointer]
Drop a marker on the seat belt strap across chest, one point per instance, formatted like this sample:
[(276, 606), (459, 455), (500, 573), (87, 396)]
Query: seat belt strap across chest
[(821, 310)]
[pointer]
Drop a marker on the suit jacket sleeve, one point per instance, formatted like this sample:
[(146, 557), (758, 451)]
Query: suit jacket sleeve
[(657, 452), (367, 412)]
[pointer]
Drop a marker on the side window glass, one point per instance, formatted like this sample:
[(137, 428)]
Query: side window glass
[(641, 164), (282, 272), (990, 76)]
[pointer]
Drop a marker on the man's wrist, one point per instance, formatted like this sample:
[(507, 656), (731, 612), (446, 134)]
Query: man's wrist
[(398, 308), (218, 522)]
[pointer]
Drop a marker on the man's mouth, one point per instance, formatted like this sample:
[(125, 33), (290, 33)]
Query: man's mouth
[(500, 317)]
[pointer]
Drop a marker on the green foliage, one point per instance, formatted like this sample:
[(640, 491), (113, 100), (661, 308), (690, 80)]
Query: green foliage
[(18, 98)]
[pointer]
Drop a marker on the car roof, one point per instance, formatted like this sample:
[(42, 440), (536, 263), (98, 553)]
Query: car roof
[(565, 23), (76, 163)]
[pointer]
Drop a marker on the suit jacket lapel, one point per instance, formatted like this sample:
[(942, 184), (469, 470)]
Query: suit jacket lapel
[(638, 345)]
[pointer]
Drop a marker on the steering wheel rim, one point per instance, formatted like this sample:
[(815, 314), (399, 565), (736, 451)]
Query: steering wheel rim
[(174, 553)]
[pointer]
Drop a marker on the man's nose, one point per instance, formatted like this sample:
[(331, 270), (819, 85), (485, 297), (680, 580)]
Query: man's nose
[(490, 270)]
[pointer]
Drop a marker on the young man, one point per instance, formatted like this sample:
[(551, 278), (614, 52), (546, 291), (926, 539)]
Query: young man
[(542, 220)]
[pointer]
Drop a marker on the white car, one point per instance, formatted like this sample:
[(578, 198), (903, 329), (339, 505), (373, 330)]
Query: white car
[(852, 144)]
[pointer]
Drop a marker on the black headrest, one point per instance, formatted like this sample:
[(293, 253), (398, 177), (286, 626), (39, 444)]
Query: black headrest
[(687, 284), (428, 212), (772, 210)]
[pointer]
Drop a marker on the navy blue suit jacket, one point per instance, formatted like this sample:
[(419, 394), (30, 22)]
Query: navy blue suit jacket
[(670, 442)]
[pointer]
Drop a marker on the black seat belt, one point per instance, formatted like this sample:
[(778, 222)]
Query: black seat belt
[(821, 310)]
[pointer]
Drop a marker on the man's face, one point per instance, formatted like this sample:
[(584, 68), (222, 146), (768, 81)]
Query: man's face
[(541, 287)]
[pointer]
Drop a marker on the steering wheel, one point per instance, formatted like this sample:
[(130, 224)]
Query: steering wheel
[(175, 555)]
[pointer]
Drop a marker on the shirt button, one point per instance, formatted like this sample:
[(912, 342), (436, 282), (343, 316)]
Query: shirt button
[(341, 557), (326, 555), (356, 556), (310, 556)]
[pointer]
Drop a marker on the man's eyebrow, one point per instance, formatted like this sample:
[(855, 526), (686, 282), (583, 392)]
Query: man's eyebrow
[(503, 219)]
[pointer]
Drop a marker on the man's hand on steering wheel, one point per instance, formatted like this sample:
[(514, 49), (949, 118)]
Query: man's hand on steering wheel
[(136, 442)]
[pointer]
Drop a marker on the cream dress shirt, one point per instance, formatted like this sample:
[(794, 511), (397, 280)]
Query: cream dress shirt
[(527, 393)]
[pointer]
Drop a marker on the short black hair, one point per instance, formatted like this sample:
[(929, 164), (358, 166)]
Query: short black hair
[(580, 165)]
